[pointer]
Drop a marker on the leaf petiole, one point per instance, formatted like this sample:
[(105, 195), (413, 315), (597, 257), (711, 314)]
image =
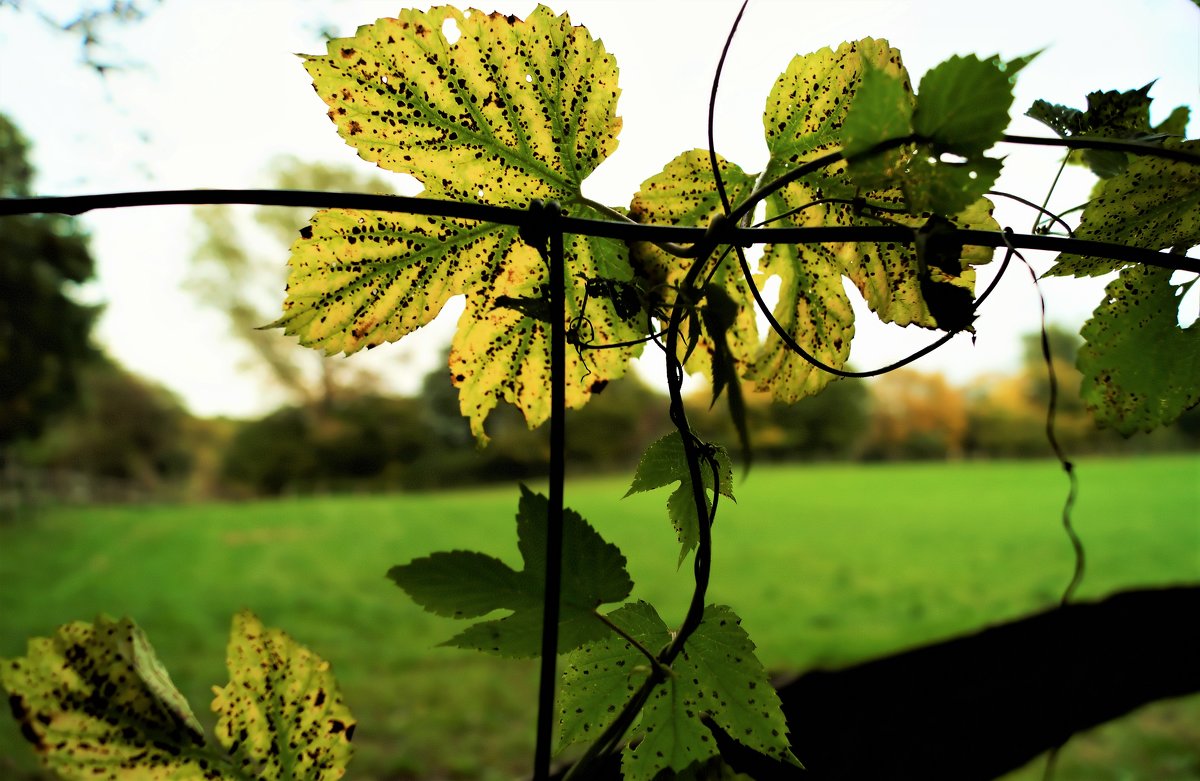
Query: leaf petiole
[(658, 666)]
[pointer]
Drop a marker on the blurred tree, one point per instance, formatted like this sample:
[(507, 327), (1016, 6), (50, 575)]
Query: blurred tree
[(87, 21), (362, 442), (1007, 414), (44, 330), (830, 425), (124, 431), (240, 276), (916, 415)]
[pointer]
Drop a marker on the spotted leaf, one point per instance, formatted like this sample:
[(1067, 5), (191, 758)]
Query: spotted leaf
[(507, 112), (804, 118), (281, 716), (599, 678), (465, 584), (360, 279), (1141, 370), (685, 193), (717, 677), (96, 704), (1154, 203)]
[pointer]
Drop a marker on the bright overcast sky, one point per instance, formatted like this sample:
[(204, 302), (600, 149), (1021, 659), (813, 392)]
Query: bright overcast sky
[(219, 94)]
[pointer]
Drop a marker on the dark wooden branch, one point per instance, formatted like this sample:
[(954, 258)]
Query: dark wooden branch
[(979, 706)]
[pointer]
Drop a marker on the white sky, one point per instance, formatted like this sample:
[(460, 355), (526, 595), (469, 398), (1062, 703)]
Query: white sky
[(221, 94)]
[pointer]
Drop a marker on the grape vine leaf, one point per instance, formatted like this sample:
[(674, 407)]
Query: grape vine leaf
[(963, 103), (1111, 114), (685, 193), (664, 463), (281, 717), (716, 677), (804, 119), (953, 121), (511, 111), (96, 703), (467, 584), (1141, 370), (1154, 203), (599, 677)]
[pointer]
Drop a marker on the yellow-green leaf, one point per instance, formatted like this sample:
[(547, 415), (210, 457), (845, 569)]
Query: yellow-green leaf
[(803, 120), (96, 704), (512, 110), (499, 354), (1154, 203), (685, 193), (508, 112), (281, 716)]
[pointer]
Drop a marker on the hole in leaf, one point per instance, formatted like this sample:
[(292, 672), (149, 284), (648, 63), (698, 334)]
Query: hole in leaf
[(947, 157), (1189, 301), (528, 78), (451, 31), (383, 78)]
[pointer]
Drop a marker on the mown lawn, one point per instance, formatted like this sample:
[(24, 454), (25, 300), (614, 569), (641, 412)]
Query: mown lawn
[(826, 564)]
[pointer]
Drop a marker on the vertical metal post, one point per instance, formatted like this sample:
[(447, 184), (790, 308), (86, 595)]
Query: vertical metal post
[(554, 541)]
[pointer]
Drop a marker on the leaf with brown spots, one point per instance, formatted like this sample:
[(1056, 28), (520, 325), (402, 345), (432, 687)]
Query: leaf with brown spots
[(1141, 370), (1154, 203), (512, 111), (685, 193), (803, 120), (281, 716), (96, 704)]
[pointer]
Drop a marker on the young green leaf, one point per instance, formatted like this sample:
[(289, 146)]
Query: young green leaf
[(96, 704), (512, 111), (664, 463), (1140, 369), (281, 716), (882, 110), (963, 103), (716, 677), (1154, 203), (466, 584)]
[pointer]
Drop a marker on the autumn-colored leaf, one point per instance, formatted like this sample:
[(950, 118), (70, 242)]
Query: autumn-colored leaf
[(509, 112)]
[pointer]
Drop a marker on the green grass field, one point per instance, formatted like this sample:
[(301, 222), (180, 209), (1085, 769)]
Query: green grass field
[(827, 565)]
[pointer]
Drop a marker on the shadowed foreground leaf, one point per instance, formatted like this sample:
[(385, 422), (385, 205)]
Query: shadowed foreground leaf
[(716, 677), (467, 584)]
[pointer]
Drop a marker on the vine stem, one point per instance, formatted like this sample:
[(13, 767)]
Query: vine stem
[(547, 678), (704, 239)]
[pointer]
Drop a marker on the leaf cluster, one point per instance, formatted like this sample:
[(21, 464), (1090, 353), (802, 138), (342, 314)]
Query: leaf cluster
[(96, 703)]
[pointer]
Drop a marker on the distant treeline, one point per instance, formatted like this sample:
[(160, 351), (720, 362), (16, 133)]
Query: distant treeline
[(128, 432)]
